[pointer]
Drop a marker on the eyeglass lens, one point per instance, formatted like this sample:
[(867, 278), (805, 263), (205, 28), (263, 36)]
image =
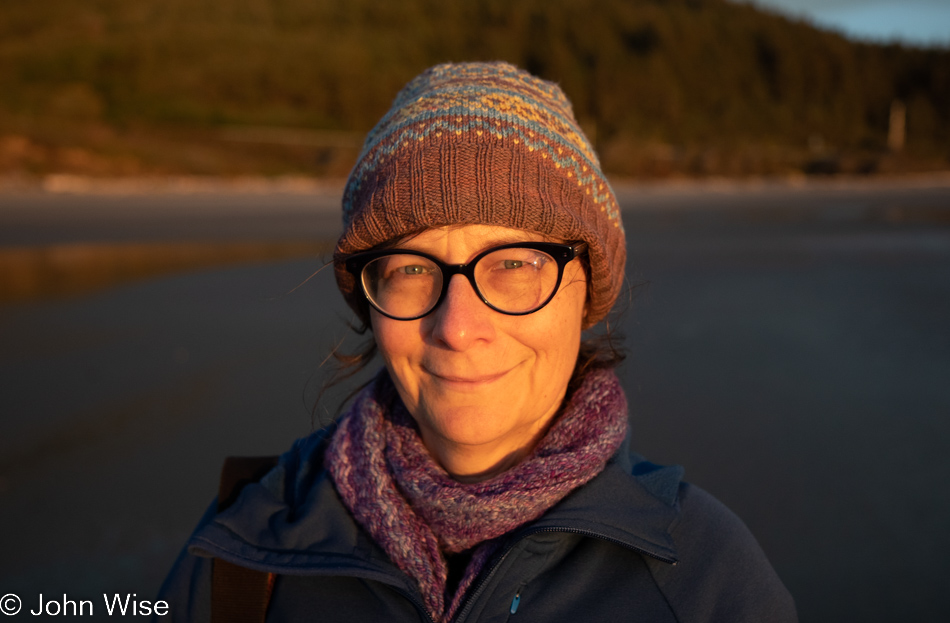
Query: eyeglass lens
[(512, 280)]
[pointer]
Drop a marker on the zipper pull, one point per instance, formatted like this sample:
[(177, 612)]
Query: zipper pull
[(515, 602)]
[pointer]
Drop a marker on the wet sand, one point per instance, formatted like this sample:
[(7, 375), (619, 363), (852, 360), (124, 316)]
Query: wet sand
[(790, 347)]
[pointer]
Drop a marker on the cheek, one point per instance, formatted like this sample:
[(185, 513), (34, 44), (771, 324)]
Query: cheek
[(573, 303), (390, 335), (572, 317), (399, 343), (557, 335)]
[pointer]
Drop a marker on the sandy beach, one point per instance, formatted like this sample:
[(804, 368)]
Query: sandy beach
[(788, 345)]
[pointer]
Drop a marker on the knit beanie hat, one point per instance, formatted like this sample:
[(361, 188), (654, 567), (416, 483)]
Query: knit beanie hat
[(482, 143)]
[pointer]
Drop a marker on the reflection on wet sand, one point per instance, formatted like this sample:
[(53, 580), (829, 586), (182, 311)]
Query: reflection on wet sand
[(31, 273)]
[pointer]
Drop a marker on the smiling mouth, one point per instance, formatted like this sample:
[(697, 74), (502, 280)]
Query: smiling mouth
[(472, 381)]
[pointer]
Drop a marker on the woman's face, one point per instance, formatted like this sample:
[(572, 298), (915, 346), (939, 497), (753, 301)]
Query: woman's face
[(482, 385)]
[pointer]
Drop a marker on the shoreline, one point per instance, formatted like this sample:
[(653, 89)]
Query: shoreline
[(71, 184)]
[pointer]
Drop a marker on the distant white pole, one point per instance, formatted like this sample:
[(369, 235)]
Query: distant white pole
[(897, 129)]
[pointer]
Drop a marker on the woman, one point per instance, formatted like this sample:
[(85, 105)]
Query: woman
[(483, 474)]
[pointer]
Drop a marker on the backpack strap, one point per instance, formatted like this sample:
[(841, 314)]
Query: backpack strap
[(239, 594)]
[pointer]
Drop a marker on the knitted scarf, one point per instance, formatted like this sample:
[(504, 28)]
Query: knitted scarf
[(417, 513)]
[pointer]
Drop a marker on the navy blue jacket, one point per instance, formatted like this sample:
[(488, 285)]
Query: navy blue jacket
[(634, 544)]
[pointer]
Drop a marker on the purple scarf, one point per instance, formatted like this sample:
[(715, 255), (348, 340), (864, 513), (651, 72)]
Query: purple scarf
[(417, 513)]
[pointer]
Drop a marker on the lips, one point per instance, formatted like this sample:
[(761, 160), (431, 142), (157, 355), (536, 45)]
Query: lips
[(469, 380)]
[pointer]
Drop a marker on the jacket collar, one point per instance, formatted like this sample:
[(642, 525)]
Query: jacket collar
[(632, 502), (293, 521)]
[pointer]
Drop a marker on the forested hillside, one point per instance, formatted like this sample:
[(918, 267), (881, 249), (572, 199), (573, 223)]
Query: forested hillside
[(664, 87)]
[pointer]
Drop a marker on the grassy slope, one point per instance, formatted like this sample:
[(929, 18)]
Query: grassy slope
[(694, 86)]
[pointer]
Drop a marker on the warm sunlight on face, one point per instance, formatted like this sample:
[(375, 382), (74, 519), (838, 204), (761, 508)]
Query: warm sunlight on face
[(482, 385)]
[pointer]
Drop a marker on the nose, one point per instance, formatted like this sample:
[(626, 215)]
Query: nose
[(462, 319)]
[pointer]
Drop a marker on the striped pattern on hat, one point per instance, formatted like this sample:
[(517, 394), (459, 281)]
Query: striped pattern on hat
[(483, 143)]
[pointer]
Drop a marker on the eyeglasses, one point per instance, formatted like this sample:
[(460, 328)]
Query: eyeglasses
[(515, 279)]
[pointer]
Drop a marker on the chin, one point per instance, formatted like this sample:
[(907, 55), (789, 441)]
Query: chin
[(469, 425)]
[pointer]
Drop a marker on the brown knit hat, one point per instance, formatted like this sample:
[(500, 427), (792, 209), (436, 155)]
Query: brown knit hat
[(482, 143)]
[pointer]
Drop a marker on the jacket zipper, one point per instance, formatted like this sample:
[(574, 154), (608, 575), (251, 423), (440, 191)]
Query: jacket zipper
[(475, 594), (515, 602)]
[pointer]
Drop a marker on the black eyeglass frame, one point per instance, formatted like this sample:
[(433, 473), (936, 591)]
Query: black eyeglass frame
[(562, 254)]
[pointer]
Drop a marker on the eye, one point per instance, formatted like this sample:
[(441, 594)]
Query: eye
[(399, 267), (514, 260), (413, 269)]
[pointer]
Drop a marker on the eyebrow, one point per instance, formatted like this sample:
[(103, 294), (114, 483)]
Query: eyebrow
[(491, 242)]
